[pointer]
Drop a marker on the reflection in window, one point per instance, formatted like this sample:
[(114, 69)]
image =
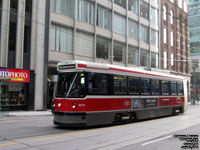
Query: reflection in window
[(134, 85), (145, 86), (104, 18), (121, 3), (120, 85), (173, 88), (155, 87), (103, 48), (119, 24), (133, 55), (154, 16), (133, 6), (144, 10), (154, 60), (119, 52), (133, 29), (154, 37), (97, 83), (144, 58), (144, 34), (86, 11), (165, 87)]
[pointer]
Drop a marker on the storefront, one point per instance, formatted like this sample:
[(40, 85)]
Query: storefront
[(14, 89)]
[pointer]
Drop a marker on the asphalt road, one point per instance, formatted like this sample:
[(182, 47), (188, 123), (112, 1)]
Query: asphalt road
[(39, 133)]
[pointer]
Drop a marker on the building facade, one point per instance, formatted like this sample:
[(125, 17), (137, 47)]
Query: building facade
[(195, 46), (22, 54), (175, 48)]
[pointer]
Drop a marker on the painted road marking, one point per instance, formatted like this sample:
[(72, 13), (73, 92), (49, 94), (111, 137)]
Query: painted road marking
[(9, 121), (7, 144), (150, 142), (45, 125)]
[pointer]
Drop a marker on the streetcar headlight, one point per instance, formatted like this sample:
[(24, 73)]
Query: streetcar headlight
[(59, 104), (74, 105)]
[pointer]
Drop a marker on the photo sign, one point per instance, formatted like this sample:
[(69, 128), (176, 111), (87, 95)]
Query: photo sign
[(15, 75)]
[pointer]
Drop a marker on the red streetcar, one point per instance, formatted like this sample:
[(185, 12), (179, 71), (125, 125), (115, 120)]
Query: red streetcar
[(91, 94)]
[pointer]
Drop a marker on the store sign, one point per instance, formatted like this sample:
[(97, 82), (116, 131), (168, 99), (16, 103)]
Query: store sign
[(15, 75)]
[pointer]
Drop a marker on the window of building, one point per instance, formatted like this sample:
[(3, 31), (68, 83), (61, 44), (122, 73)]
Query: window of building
[(134, 85), (120, 85), (154, 37), (61, 39), (133, 29), (133, 6), (173, 88), (144, 34), (64, 7), (119, 24), (185, 6), (119, 52), (155, 1), (172, 38), (171, 1), (133, 55), (164, 12), (86, 11), (144, 58), (155, 87), (97, 83), (104, 18), (121, 3), (171, 17), (165, 60), (165, 35), (180, 3), (154, 60), (144, 10), (154, 16), (103, 48), (172, 59), (84, 45), (145, 86), (165, 87)]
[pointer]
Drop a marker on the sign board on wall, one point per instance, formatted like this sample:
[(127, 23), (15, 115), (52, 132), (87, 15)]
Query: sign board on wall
[(15, 75)]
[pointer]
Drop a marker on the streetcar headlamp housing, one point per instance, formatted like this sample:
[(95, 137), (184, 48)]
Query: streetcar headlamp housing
[(59, 104)]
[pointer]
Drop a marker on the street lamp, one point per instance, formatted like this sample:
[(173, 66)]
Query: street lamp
[(195, 64)]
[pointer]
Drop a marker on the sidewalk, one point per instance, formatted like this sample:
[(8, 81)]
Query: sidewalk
[(27, 113)]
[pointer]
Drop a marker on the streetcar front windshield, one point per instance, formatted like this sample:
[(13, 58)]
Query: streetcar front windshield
[(71, 85), (64, 82)]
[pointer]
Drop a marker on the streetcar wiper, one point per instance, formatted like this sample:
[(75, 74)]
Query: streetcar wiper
[(71, 85)]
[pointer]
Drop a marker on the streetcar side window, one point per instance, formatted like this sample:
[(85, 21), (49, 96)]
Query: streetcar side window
[(173, 88), (120, 85), (165, 87), (155, 87), (180, 88), (145, 86), (97, 83), (134, 85)]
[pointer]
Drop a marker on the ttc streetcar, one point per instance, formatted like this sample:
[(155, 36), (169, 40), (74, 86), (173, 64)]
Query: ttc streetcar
[(91, 94)]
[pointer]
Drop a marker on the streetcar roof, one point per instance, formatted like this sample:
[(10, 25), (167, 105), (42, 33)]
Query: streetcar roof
[(76, 65)]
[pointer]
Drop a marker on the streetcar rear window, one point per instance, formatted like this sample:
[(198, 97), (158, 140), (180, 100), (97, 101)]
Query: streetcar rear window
[(120, 85), (180, 88), (173, 88)]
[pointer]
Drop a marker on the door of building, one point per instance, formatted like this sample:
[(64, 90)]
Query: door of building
[(4, 110)]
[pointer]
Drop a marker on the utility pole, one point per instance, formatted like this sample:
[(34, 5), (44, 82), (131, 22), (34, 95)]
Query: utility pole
[(195, 64)]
